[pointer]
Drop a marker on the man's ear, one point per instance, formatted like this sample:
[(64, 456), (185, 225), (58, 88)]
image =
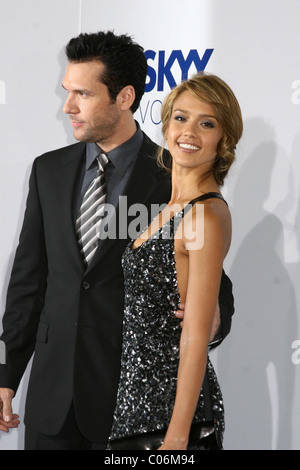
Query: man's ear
[(126, 97)]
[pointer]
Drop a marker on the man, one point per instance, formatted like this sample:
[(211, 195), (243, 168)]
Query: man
[(65, 309)]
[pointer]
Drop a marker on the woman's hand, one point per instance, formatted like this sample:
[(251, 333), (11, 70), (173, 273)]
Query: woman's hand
[(174, 444)]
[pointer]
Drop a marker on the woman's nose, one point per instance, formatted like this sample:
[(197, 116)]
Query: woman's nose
[(190, 129)]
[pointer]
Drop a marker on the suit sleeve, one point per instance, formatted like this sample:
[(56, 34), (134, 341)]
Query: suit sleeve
[(26, 292), (226, 304)]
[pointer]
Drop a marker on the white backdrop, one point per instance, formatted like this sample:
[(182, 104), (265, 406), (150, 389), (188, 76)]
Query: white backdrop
[(254, 46)]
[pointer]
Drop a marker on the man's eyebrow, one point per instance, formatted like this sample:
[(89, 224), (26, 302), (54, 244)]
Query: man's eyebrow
[(84, 90)]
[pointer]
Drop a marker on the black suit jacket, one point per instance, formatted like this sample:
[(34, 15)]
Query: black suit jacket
[(68, 316)]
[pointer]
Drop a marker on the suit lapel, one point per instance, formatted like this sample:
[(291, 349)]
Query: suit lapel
[(67, 180)]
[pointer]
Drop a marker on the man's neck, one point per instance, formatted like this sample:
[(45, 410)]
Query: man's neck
[(125, 131)]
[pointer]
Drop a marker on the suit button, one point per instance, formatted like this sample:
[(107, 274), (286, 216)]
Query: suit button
[(86, 285)]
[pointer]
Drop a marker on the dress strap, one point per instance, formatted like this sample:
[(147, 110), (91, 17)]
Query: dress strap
[(178, 217), (207, 196)]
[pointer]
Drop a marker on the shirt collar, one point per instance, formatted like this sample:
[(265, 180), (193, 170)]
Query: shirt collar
[(121, 156)]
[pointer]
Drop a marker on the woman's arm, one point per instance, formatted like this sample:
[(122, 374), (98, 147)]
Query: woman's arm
[(203, 283)]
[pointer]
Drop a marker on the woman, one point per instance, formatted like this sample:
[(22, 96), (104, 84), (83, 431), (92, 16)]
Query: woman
[(168, 385)]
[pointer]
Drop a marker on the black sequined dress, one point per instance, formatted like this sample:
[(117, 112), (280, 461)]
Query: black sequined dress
[(151, 335)]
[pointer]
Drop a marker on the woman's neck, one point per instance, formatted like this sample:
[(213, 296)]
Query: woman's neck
[(187, 185)]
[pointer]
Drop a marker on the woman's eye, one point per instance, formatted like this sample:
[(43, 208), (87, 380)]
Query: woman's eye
[(179, 118), (208, 124)]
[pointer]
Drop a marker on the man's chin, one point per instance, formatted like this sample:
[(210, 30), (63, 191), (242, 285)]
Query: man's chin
[(80, 137)]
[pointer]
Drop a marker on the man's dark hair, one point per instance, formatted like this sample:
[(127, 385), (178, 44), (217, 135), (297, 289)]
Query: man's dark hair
[(124, 60)]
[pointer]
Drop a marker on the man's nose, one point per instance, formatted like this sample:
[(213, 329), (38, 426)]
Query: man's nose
[(70, 106)]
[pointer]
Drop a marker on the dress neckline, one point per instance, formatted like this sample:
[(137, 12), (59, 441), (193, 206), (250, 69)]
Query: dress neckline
[(203, 197)]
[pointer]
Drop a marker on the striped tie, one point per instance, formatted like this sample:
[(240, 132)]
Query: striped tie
[(91, 212)]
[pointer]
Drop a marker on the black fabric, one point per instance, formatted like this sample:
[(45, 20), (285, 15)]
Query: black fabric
[(70, 317), (69, 438)]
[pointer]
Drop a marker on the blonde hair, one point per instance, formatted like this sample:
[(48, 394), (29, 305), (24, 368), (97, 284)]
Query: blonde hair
[(213, 90)]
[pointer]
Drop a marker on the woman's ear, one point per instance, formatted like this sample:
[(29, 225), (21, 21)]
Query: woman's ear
[(126, 97)]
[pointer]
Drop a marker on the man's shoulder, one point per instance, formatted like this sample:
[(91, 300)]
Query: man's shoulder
[(150, 147), (65, 153)]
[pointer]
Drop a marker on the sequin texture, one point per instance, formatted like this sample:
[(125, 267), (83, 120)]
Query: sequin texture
[(151, 335)]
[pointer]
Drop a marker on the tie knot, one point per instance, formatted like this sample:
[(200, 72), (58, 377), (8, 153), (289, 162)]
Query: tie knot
[(102, 161)]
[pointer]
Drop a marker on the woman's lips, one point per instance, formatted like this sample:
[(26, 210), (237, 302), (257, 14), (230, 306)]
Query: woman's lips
[(188, 146)]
